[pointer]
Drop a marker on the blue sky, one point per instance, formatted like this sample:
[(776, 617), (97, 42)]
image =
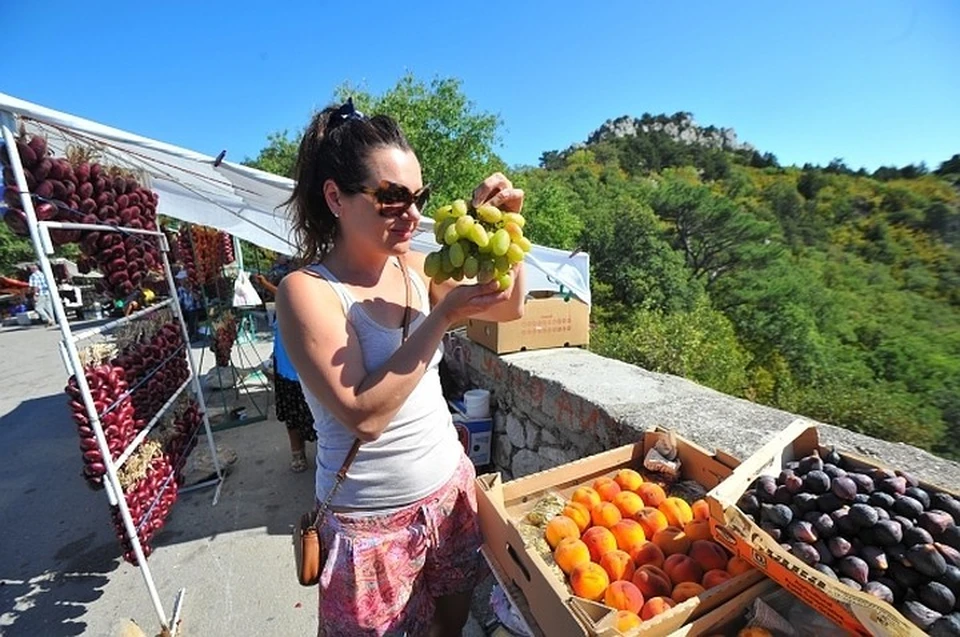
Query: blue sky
[(875, 83)]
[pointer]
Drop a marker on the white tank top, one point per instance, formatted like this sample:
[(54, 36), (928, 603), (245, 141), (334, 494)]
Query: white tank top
[(419, 450)]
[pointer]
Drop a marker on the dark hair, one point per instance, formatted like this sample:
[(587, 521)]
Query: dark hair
[(334, 146)]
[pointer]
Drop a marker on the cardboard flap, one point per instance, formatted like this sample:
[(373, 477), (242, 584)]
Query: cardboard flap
[(598, 617)]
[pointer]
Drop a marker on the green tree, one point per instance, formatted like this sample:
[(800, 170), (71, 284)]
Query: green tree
[(13, 250), (279, 156)]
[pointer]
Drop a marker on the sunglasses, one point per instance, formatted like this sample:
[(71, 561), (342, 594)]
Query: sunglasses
[(393, 200)]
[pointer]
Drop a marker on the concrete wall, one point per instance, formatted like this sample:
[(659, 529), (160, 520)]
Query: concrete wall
[(554, 406)]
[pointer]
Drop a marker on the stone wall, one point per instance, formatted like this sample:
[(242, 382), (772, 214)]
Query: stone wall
[(554, 406)]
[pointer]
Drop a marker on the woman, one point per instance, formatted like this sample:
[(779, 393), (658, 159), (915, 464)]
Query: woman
[(403, 535), (292, 408)]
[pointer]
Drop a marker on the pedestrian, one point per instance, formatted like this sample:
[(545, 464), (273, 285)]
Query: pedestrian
[(292, 408), (188, 305), (42, 301), (403, 533)]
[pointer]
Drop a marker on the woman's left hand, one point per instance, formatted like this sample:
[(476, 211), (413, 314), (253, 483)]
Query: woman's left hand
[(498, 191)]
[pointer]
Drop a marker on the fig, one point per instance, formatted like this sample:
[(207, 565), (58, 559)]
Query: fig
[(864, 482), (784, 474), (748, 503), (765, 488), (772, 531), (833, 471), (878, 590), (906, 523), (908, 507), (849, 582), (805, 502), (946, 502), (925, 559), (894, 486), (792, 465), (810, 463), (882, 514), (805, 552), (937, 597), (910, 480), (888, 532), (905, 576), (919, 614), (823, 524), (951, 579), (875, 558), (832, 457), (782, 495), (916, 535), (946, 626), (950, 554), (802, 532), (863, 515), (829, 502), (844, 523), (826, 570), (793, 483), (778, 515), (919, 495), (896, 553), (861, 498), (935, 521), (899, 592), (855, 568), (844, 488), (826, 557), (816, 481), (881, 499), (879, 474), (951, 536), (839, 547)]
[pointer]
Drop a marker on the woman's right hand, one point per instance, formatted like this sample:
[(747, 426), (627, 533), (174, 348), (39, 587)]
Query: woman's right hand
[(465, 301)]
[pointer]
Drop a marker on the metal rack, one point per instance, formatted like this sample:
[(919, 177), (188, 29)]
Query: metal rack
[(43, 246)]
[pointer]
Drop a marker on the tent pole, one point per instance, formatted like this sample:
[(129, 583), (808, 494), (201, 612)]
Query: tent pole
[(237, 252)]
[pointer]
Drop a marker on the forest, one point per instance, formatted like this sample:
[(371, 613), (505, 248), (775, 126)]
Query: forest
[(826, 291)]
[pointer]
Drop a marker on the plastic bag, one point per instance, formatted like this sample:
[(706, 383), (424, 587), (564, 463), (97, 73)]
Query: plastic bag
[(244, 294), (662, 458)]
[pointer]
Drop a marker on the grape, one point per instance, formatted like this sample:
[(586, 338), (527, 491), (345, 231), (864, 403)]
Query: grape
[(463, 225), (450, 236), (500, 242), (456, 254)]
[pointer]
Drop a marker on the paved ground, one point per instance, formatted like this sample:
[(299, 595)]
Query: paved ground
[(60, 570)]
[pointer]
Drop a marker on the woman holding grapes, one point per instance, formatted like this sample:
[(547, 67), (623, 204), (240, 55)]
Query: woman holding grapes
[(363, 327)]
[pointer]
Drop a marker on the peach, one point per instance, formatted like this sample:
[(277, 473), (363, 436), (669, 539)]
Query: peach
[(715, 577), (647, 553), (697, 530), (579, 513), (618, 565), (571, 553), (682, 568), (607, 488), (652, 494), (737, 566), (628, 479), (559, 528), (628, 533), (701, 510), (651, 583), (709, 555), (677, 510), (585, 496), (623, 596), (605, 514), (599, 540), (685, 590), (671, 540), (589, 580), (628, 502), (654, 606), (651, 519), (625, 621)]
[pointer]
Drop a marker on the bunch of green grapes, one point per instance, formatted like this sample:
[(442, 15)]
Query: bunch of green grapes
[(479, 243)]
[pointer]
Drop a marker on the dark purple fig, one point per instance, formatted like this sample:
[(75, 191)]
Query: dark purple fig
[(855, 568), (827, 571), (832, 457), (805, 552), (845, 524), (867, 535), (844, 488), (810, 463), (823, 524), (849, 582), (908, 507), (946, 502), (861, 498), (748, 503), (826, 557), (793, 483), (786, 546), (880, 475), (919, 614), (878, 590), (899, 592), (863, 515), (926, 559), (864, 482), (778, 515), (951, 536), (833, 471), (784, 474), (916, 535), (950, 554), (882, 514), (829, 502), (805, 502), (906, 523), (919, 495), (773, 531), (893, 486), (888, 532), (875, 558), (782, 495), (802, 531), (951, 579), (905, 576), (935, 521), (936, 596), (765, 488), (895, 553), (910, 480), (816, 481), (946, 626), (839, 547)]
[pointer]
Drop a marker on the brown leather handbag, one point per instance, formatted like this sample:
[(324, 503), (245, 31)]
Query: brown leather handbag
[(308, 551)]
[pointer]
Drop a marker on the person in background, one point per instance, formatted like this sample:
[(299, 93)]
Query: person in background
[(188, 305), (42, 301), (292, 408), (403, 533)]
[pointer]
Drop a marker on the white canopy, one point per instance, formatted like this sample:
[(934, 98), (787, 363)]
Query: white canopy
[(242, 201)]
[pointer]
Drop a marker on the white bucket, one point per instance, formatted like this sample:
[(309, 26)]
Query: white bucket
[(476, 403)]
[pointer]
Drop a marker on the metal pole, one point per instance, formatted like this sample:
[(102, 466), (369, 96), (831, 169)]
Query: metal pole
[(7, 124), (237, 252)]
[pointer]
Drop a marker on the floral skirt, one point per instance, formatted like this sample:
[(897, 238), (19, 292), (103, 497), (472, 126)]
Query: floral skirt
[(292, 409)]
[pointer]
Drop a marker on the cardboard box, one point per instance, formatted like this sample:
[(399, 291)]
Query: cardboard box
[(551, 605), (858, 613), (727, 619), (476, 434), (547, 322)]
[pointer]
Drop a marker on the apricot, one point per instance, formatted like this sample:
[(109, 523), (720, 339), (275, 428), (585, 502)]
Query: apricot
[(599, 540), (605, 514), (579, 513), (709, 555), (571, 553), (672, 540), (651, 519), (697, 530), (715, 577), (685, 590), (701, 510), (618, 565), (628, 479), (628, 533), (651, 583), (625, 621), (652, 494), (678, 512), (607, 488), (647, 553), (655, 606), (585, 496), (589, 580), (623, 596), (737, 566), (628, 502), (559, 528), (682, 568)]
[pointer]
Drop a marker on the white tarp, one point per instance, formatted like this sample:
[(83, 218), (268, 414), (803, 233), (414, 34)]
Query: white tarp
[(245, 202)]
